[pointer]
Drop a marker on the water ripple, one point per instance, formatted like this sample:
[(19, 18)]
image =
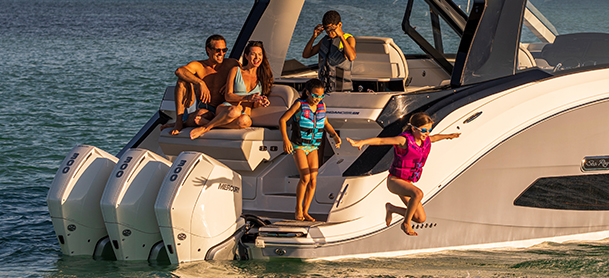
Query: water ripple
[(93, 72)]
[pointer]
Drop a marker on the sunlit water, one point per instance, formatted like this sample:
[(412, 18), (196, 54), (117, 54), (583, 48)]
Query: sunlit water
[(93, 72)]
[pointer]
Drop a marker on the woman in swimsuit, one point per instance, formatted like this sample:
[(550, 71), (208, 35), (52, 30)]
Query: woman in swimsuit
[(411, 150), (308, 126), (247, 87)]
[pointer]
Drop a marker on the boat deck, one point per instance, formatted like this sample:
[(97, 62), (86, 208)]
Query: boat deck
[(284, 216)]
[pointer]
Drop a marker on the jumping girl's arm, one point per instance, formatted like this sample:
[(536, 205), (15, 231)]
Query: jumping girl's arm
[(398, 140), (438, 137), (330, 130), (287, 145)]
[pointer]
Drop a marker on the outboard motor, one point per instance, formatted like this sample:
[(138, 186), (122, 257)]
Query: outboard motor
[(74, 197), (198, 209), (128, 203)]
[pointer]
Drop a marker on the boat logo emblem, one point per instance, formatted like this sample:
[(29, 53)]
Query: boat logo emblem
[(595, 163), (228, 187), (126, 232), (71, 227), (182, 236)]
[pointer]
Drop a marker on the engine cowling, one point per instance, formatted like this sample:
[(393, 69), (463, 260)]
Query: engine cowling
[(198, 206)]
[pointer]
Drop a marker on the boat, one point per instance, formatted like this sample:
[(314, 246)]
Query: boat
[(531, 164)]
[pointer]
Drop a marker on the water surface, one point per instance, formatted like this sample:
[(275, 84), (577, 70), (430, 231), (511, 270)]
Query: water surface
[(93, 72)]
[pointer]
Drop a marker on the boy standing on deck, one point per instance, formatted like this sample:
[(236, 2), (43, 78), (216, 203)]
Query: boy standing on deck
[(336, 52)]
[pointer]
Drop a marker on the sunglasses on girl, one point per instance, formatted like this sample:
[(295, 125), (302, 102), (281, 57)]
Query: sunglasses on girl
[(314, 96), (423, 130)]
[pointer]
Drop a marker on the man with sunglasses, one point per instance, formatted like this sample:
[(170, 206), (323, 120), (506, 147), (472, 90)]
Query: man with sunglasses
[(336, 52), (197, 91)]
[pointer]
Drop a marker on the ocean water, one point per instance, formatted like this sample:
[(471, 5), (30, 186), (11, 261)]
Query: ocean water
[(93, 72)]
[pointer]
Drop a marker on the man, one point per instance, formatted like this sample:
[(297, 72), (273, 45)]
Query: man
[(336, 52), (197, 91)]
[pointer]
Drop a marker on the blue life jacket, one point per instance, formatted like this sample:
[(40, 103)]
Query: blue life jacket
[(308, 126), (334, 68)]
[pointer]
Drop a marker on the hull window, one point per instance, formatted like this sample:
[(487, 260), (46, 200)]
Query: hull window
[(584, 192)]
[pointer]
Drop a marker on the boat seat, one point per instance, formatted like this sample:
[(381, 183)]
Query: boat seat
[(239, 149), (574, 50), (379, 59), (281, 98)]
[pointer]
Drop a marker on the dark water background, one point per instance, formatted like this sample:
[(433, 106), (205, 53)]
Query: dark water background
[(93, 72)]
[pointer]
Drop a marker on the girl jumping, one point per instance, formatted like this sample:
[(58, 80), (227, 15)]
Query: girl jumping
[(411, 150)]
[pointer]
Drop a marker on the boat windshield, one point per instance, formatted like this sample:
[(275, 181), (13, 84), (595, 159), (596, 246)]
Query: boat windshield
[(562, 35), (502, 38), (506, 37)]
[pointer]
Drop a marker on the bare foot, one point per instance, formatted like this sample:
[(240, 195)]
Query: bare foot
[(176, 128), (388, 215), (308, 217), (167, 125), (298, 216), (195, 133), (199, 120), (407, 228)]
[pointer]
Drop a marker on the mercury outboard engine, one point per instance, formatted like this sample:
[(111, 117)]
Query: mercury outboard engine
[(128, 203), (198, 209), (74, 197)]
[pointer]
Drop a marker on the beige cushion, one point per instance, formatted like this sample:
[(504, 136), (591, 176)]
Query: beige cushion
[(240, 149), (281, 99)]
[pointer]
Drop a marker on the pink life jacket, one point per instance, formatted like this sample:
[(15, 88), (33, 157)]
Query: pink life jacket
[(408, 163)]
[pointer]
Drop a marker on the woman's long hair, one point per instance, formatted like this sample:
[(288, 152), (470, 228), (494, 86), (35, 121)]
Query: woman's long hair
[(264, 72)]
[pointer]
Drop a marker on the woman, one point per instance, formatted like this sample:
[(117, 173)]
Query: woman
[(247, 87), (411, 150)]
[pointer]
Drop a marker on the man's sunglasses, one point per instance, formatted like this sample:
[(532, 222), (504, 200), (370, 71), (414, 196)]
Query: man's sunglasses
[(423, 130), (218, 50)]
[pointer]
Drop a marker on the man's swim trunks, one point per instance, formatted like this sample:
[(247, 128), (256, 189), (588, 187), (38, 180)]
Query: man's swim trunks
[(197, 105)]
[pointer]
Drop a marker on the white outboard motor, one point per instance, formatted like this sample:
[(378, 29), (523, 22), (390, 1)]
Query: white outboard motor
[(74, 197), (198, 209), (128, 203)]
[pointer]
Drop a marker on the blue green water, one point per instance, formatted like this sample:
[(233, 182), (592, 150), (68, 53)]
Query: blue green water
[(93, 72)]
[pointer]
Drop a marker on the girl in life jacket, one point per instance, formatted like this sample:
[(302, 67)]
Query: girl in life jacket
[(309, 122), (411, 149)]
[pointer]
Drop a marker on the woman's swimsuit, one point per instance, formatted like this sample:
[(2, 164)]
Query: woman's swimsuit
[(408, 163), (240, 89), (308, 127)]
